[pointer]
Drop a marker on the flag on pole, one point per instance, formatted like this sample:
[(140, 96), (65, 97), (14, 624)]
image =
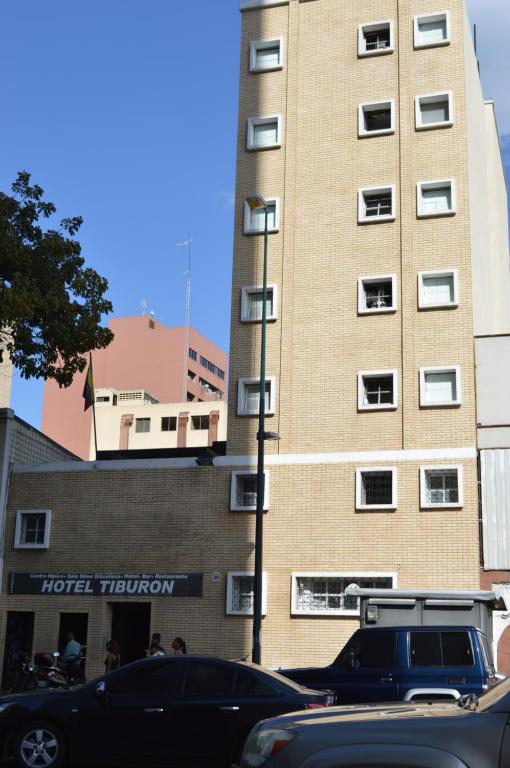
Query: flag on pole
[(88, 389)]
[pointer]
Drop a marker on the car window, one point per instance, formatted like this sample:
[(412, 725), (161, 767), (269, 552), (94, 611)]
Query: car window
[(249, 684), (487, 654), (145, 681), (369, 649), (425, 649), (208, 679), (441, 649), (457, 650)]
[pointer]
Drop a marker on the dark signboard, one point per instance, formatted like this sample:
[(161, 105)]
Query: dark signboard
[(107, 584)]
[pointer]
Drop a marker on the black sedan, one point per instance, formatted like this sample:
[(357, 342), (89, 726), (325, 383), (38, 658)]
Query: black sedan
[(181, 712)]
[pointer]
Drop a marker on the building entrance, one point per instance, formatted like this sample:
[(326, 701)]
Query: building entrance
[(19, 635), (78, 624), (131, 626)]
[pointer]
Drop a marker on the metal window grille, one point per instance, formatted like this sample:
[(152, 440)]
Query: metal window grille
[(378, 390), (33, 527), (168, 423), (377, 119), (378, 295), (255, 304), (318, 593), (376, 488), (378, 204), (377, 39), (200, 422), (143, 425), (442, 486), (242, 593), (246, 491)]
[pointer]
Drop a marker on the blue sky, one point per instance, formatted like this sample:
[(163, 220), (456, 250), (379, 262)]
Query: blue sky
[(125, 113)]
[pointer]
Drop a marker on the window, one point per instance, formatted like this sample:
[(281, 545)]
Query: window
[(434, 110), (211, 367), (190, 397), (440, 386), (168, 423), (369, 650), (376, 204), (143, 425), (153, 681), (324, 593), (251, 303), (240, 593), (377, 390), (376, 488), (432, 29), (32, 529), (440, 649), (103, 399), (377, 294), (208, 679), (375, 38), (376, 118), (192, 353), (254, 219), (200, 422), (441, 486), (243, 491), (191, 375), (266, 55), (248, 396), (438, 288), (436, 198), (264, 132)]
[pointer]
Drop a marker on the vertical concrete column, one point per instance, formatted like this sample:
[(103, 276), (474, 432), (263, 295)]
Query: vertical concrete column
[(182, 429), (214, 417), (126, 420)]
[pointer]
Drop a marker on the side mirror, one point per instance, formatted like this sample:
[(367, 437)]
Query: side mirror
[(101, 692)]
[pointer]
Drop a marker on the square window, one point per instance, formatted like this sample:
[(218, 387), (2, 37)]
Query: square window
[(376, 118), (376, 204), (251, 303), (434, 110), (324, 593), (142, 425), (200, 422), (377, 390), (375, 38), (243, 491), (432, 29), (377, 295), (254, 218), (438, 288), (32, 529), (436, 198), (441, 486), (376, 488), (248, 393), (240, 593), (440, 386), (266, 55), (264, 132), (168, 423)]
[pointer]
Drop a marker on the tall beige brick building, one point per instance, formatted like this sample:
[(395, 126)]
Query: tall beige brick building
[(364, 126)]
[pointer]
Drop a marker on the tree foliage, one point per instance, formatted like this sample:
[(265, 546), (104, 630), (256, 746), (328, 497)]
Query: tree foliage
[(50, 303)]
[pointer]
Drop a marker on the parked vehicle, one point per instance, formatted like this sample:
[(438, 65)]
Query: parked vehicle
[(409, 663), (25, 676), (167, 710), (471, 734)]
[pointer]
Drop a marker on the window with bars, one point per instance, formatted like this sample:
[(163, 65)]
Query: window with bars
[(440, 386), (325, 593), (240, 592), (251, 303), (441, 486), (434, 110), (377, 390), (243, 494), (376, 488), (142, 425), (377, 294), (266, 55), (375, 118), (431, 29), (376, 204), (249, 397), (255, 218), (436, 198), (375, 38), (263, 132), (438, 289), (200, 422), (32, 529), (168, 423)]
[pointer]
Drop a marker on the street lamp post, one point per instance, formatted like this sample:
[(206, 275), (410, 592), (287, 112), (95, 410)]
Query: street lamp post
[(256, 202)]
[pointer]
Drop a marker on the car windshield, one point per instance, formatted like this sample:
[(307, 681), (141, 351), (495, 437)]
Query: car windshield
[(495, 694)]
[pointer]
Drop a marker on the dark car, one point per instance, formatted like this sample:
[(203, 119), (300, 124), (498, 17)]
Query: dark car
[(182, 711)]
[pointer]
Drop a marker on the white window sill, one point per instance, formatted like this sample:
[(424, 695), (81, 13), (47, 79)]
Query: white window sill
[(369, 134), (260, 231), (377, 52), (271, 319), (430, 126), (450, 505), (31, 546), (438, 215), (446, 305), (451, 404), (376, 507), (440, 44), (378, 311), (304, 612), (376, 219), (255, 148), (378, 407)]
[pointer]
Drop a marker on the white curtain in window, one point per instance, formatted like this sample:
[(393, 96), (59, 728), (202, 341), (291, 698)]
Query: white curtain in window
[(435, 112), (437, 200), (438, 290), (268, 57), (257, 220), (432, 31), (265, 134), (441, 387)]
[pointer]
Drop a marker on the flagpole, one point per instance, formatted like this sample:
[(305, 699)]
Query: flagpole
[(93, 403)]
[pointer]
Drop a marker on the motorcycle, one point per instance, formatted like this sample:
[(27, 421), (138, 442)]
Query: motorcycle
[(25, 677), (48, 672)]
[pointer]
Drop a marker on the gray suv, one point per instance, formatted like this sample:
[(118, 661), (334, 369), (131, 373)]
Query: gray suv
[(475, 733)]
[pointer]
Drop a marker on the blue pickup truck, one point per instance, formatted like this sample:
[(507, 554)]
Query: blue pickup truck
[(405, 663)]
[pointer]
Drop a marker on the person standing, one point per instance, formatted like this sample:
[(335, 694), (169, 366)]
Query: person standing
[(156, 640), (112, 660), (179, 647), (73, 648)]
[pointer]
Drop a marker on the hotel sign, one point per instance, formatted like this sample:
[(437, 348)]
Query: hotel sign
[(107, 584)]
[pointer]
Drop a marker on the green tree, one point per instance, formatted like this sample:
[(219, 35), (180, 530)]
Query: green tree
[(50, 303)]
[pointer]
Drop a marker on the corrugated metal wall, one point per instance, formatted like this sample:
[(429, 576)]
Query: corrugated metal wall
[(495, 477)]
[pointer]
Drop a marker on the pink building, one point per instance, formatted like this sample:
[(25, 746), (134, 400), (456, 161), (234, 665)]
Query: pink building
[(144, 354)]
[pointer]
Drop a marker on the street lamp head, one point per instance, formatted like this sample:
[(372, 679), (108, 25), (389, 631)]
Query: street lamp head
[(256, 201)]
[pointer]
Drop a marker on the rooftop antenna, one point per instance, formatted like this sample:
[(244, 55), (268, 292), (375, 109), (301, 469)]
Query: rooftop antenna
[(143, 306), (186, 317)]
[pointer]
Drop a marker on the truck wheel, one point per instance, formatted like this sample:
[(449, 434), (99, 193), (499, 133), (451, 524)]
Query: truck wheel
[(39, 744)]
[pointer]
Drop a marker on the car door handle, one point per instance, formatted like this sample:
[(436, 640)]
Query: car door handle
[(229, 709), (388, 679), (152, 710)]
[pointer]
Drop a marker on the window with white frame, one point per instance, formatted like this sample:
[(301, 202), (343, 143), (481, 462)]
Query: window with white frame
[(377, 390), (243, 491), (440, 386), (434, 110), (316, 593), (254, 218), (251, 303), (438, 288), (240, 593), (375, 38), (32, 529), (436, 198), (377, 294), (376, 204), (441, 486), (266, 55), (432, 29), (264, 132), (248, 396), (376, 118), (376, 488), (142, 425)]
